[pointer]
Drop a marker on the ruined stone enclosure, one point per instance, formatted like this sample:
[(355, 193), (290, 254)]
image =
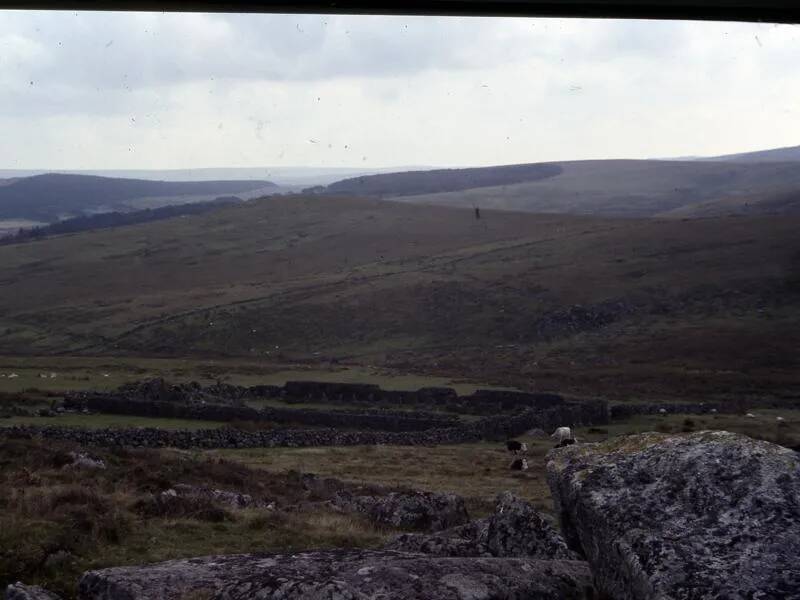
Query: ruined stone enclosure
[(342, 415)]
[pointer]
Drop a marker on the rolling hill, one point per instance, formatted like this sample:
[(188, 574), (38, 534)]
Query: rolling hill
[(282, 176), (703, 308), (47, 198), (441, 180), (613, 188), (788, 154)]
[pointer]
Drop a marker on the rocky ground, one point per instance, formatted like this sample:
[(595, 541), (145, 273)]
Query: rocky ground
[(710, 514)]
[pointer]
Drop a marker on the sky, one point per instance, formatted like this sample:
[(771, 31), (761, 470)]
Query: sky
[(93, 90)]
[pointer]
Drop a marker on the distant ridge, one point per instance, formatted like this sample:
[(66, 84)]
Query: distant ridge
[(283, 176), (54, 196), (610, 188), (787, 154), (443, 180)]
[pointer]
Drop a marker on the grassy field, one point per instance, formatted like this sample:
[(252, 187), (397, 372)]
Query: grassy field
[(107, 373), (476, 471), (480, 471)]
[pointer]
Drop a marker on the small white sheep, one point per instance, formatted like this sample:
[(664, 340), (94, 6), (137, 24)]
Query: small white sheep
[(561, 434)]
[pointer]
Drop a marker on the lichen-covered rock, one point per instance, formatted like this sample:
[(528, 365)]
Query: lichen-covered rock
[(425, 511), (19, 591), (464, 540), (224, 497), (515, 529), (81, 460), (707, 515), (341, 575)]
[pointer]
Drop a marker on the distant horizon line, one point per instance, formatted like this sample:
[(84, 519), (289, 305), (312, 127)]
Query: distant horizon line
[(381, 168)]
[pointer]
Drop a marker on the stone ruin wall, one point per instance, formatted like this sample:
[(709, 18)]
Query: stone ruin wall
[(225, 403), (565, 413)]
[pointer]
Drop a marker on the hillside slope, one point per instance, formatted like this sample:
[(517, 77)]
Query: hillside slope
[(787, 154), (695, 308), (613, 188), (638, 188), (50, 197)]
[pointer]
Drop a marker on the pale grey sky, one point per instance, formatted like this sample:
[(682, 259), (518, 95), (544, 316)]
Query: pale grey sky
[(152, 90)]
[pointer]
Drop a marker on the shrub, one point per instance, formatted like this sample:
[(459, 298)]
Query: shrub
[(181, 507), (114, 526)]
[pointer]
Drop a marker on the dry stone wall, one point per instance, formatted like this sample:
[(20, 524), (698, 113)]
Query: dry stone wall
[(385, 421), (495, 428)]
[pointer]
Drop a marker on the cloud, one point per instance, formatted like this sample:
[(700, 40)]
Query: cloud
[(149, 90)]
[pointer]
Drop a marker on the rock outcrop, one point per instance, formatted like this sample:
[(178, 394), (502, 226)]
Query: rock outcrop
[(19, 591), (81, 460), (515, 529), (341, 575), (224, 497), (708, 515), (463, 541), (426, 511)]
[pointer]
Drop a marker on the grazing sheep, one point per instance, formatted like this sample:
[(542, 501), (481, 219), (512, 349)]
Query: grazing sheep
[(561, 434), (662, 411), (714, 410), (750, 415), (519, 464), (779, 419), (513, 446)]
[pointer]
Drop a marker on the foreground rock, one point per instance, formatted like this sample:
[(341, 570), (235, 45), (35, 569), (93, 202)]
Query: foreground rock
[(706, 515), (341, 575), (19, 591), (409, 510), (515, 529), (463, 541)]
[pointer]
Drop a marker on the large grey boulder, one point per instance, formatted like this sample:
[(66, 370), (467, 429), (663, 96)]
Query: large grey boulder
[(707, 515), (341, 575), (515, 529), (20, 591), (426, 511)]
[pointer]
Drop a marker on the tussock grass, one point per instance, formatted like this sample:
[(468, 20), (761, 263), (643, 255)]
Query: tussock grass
[(56, 522)]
